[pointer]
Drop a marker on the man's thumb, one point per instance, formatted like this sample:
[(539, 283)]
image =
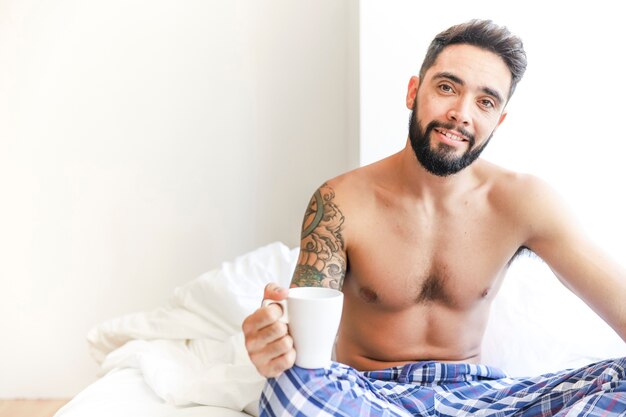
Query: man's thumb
[(275, 292)]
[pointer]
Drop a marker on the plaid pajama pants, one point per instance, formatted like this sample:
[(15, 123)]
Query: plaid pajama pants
[(443, 389)]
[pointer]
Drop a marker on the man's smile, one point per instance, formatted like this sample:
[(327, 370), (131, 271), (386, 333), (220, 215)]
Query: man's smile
[(451, 135)]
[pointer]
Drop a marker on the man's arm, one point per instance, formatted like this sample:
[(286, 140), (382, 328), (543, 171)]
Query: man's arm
[(579, 264), (322, 262)]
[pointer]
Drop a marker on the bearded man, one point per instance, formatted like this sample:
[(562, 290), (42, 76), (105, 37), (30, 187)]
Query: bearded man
[(419, 243)]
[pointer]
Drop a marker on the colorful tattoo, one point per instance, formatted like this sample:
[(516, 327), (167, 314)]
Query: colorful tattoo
[(322, 260)]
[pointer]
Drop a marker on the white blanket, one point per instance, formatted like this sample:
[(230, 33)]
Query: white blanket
[(192, 350)]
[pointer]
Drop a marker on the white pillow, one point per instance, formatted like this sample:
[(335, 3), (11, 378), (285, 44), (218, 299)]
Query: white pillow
[(537, 325), (211, 306)]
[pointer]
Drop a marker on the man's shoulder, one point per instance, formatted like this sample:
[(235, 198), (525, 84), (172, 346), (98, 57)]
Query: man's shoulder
[(503, 179), (359, 181), (520, 189)]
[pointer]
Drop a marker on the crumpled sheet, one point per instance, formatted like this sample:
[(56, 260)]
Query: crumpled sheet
[(191, 351)]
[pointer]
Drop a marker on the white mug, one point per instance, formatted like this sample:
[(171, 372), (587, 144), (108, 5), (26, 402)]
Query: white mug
[(313, 315)]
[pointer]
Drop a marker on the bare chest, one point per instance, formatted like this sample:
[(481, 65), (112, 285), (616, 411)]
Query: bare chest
[(453, 264)]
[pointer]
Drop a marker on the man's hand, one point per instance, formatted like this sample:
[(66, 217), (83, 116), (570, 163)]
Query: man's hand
[(269, 345)]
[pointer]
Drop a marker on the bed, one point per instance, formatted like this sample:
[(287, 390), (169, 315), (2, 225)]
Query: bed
[(187, 358)]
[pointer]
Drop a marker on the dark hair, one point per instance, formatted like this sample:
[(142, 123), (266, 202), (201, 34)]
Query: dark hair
[(483, 34)]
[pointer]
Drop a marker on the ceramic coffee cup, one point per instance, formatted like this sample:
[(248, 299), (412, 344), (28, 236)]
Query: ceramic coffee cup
[(313, 315)]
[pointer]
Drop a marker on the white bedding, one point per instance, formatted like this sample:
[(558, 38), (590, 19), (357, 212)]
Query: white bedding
[(124, 393), (190, 352)]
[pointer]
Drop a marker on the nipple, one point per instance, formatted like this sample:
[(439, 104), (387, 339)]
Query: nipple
[(368, 295)]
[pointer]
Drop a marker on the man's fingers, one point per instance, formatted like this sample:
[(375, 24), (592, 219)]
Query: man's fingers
[(276, 358), (279, 347), (263, 317), (266, 336), (268, 342), (269, 314), (274, 292), (280, 364)]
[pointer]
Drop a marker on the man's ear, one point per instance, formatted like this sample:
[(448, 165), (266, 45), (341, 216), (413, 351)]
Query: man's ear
[(411, 92), (502, 117)]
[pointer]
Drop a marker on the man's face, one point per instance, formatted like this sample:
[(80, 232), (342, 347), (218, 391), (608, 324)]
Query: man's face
[(461, 101)]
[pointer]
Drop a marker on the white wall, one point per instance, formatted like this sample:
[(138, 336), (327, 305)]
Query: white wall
[(565, 119), (144, 142)]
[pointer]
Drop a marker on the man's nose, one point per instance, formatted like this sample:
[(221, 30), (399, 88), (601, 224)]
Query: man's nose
[(459, 112)]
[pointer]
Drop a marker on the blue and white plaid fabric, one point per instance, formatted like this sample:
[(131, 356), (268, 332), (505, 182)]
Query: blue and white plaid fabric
[(443, 389)]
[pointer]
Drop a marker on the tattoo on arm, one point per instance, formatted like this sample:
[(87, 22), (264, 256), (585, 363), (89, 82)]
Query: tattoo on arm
[(322, 260)]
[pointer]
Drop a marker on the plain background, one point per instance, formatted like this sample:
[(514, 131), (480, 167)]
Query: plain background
[(144, 142)]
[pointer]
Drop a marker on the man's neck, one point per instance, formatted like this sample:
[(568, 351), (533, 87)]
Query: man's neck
[(430, 187)]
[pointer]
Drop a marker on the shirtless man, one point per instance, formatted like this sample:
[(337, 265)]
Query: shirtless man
[(419, 244)]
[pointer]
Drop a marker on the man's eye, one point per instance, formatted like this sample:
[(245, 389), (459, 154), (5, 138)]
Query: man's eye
[(446, 88), (487, 103)]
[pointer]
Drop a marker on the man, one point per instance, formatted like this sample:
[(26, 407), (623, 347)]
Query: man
[(419, 244)]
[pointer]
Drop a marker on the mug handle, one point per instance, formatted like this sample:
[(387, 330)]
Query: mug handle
[(283, 304)]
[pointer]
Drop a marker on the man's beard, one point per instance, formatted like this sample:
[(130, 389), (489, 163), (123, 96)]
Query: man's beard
[(441, 160)]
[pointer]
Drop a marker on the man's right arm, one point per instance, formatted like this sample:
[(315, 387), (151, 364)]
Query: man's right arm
[(322, 263)]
